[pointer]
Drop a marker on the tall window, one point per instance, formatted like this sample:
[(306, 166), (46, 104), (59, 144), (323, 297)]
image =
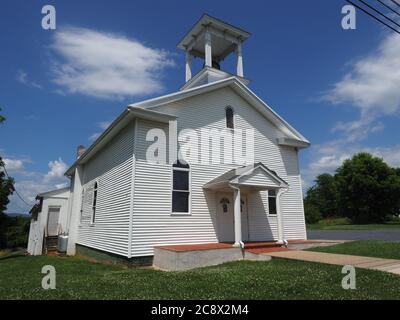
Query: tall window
[(180, 187), (94, 202), (229, 117), (272, 201)]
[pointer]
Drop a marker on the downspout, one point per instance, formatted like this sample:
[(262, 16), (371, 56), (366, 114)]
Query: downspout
[(132, 189), (281, 229), (237, 220)]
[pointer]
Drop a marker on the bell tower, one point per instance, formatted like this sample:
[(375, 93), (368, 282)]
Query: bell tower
[(212, 40)]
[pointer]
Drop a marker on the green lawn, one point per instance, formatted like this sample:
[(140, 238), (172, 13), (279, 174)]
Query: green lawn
[(369, 248), (276, 279), (387, 226)]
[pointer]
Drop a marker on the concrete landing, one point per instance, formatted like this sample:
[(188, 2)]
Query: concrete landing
[(189, 256), (387, 265)]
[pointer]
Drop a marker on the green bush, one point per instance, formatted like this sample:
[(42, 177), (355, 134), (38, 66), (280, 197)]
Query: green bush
[(311, 213), (14, 232), (338, 221)]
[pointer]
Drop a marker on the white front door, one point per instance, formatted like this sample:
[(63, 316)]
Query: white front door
[(225, 218), (52, 221)]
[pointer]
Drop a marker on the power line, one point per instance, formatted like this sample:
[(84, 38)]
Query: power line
[(396, 3), (15, 190), (371, 15), (380, 13), (387, 6)]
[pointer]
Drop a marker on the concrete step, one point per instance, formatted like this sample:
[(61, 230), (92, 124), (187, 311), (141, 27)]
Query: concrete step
[(256, 245)]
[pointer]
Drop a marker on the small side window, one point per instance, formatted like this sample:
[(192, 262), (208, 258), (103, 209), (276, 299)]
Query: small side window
[(229, 117), (94, 202), (180, 187), (272, 201)]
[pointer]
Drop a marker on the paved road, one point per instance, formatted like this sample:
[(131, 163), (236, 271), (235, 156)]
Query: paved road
[(389, 235)]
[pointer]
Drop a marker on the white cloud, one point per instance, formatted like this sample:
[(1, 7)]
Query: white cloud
[(106, 65), (37, 182), (13, 164), (57, 170), (22, 77), (373, 84), (329, 156), (373, 87), (94, 136), (103, 125)]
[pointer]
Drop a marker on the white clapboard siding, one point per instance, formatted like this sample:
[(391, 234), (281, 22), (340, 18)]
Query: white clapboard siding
[(153, 223), (259, 178), (112, 169), (208, 111), (262, 226)]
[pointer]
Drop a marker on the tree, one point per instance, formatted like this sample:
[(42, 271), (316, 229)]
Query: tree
[(323, 196), (311, 213), (6, 188), (2, 119), (6, 183), (368, 189)]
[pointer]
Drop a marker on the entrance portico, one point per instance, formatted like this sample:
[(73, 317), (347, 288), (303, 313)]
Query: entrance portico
[(238, 183)]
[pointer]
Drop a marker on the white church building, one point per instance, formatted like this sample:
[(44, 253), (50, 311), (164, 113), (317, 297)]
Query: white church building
[(209, 163)]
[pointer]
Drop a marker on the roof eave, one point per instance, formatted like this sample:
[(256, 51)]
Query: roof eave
[(130, 112)]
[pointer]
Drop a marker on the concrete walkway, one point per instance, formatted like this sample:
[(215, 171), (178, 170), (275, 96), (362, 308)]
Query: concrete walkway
[(388, 265)]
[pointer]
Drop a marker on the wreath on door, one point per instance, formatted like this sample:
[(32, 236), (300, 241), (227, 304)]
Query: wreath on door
[(224, 202)]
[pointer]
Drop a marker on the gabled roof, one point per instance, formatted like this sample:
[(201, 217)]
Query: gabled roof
[(239, 87), (209, 74), (234, 176), (53, 193), (143, 110)]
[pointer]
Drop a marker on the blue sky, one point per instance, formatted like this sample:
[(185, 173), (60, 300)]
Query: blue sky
[(59, 88)]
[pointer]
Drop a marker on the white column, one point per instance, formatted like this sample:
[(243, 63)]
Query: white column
[(239, 61), (75, 210), (188, 65), (281, 235), (237, 217), (207, 49)]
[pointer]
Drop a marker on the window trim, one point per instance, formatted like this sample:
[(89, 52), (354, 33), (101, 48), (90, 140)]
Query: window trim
[(233, 118), (189, 190), (276, 207), (94, 205)]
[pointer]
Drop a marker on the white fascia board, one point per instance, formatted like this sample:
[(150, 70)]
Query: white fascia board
[(179, 95), (268, 112), (283, 141), (53, 192), (266, 171)]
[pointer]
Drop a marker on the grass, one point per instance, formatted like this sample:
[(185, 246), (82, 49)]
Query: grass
[(368, 248), (277, 279), (344, 224)]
